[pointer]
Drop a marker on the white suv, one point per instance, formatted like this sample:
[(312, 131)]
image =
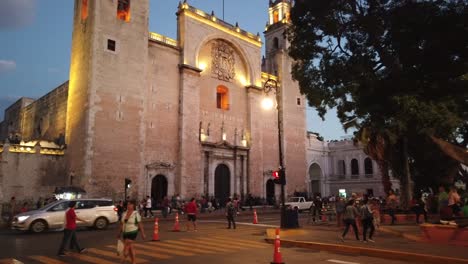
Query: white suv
[(98, 213)]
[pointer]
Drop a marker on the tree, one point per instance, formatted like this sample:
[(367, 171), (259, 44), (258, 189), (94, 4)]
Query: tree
[(393, 69)]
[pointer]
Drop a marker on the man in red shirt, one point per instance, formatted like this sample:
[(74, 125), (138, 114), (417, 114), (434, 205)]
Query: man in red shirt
[(69, 233), (191, 210)]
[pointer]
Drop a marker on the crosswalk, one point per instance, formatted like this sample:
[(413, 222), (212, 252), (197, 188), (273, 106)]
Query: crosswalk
[(206, 241)]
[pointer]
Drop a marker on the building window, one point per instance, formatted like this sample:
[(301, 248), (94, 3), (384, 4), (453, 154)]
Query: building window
[(368, 166), (123, 10), (341, 168), (354, 167), (111, 44), (298, 101), (84, 9), (275, 16), (275, 43), (222, 97)]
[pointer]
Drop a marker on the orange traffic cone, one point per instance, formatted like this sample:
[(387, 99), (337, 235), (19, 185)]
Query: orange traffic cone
[(277, 259), (255, 220), (156, 230), (176, 224)]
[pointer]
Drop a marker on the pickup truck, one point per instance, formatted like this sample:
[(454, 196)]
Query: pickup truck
[(300, 203)]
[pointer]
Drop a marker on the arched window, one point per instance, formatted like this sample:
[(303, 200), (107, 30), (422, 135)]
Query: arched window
[(123, 10), (341, 167), (84, 9), (222, 97), (275, 43), (354, 167), (275, 16), (368, 166)]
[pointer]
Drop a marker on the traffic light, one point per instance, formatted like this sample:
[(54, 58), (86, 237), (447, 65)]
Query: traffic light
[(128, 183), (282, 176), (276, 177)]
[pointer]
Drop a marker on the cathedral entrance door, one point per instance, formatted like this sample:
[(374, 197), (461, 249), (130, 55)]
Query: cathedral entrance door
[(159, 188), (270, 192), (315, 173), (222, 183)]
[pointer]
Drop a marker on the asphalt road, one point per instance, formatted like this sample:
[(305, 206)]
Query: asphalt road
[(212, 243)]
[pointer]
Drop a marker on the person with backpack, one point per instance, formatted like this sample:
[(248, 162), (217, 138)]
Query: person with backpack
[(129, 227), (231, 214), (367, 220)]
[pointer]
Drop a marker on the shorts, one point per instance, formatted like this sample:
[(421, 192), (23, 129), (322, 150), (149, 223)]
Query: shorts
[(130, 235), (191, 217)]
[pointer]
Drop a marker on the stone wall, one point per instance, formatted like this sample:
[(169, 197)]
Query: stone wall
[(30, 172)]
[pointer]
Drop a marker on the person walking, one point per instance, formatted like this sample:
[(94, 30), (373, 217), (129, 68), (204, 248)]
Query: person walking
[(349, 218), (392, 205), (367, 221), (120, 210), (191, 210), (148, 207), (129, 227), (69, 233), (231, 214), (165, 205), (339, 209), (454, 201)]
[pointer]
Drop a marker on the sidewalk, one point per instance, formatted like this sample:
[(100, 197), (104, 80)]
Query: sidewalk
[(391, 243)]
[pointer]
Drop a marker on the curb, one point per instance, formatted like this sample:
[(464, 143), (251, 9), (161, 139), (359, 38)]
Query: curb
[(372, 252)]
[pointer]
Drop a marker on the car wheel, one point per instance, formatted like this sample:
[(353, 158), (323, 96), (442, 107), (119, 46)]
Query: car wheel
[(101, 223), (38, 226)]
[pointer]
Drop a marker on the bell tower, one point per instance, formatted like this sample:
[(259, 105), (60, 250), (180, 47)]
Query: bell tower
[(108, 70), (277, 62)]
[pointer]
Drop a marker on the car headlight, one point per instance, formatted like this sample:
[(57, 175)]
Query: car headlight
[(22, 218)]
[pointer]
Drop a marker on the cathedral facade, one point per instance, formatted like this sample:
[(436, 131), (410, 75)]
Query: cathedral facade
[(175, 116)]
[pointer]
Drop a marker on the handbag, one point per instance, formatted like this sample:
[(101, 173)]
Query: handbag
[(120, 247)]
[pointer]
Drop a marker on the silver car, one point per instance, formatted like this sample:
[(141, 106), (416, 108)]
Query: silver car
[(97, 213)]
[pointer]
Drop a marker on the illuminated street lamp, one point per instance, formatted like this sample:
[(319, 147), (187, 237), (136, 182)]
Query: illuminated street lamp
[(272, 86)]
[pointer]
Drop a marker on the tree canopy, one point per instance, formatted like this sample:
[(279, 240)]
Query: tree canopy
[(395, 70)]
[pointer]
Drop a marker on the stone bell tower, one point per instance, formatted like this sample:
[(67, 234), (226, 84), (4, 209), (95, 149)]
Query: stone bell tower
[(106, 94), (277, 62)]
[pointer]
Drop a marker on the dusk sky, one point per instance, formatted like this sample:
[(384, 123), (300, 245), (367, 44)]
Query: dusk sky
[(36, 39)]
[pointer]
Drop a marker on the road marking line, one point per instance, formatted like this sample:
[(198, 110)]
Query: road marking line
[(90, 258), (214, 243), (155, 246), (238, 223), (10, 261), (111, 254), (47, 260), (146, 252), (198, 245), (341, 261), (231, 243), (184, 248), (243, 241)]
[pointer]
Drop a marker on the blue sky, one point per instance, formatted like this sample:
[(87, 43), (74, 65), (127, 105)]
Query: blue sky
[(36, 35)]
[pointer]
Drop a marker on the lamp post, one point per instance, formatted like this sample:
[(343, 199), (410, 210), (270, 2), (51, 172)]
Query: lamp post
[(269, 86)]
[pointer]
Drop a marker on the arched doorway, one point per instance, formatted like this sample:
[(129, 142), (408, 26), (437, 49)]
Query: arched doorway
[(315, 173), (270, 192), (222, 183), (159, 188)]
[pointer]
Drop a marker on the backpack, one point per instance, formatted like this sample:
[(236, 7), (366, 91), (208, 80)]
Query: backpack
[(365, 212), (231, 209)]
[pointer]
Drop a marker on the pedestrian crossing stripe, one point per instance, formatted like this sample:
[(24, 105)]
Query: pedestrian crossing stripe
[(199, 244), (90, 259), (166, 250), (186, 249), (215, 243), (46, 260), (10, 261), (146, 253), (112, 255), (242, 242), (238, 243)]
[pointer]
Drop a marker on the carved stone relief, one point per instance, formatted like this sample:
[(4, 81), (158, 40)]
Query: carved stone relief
[(223, 61)]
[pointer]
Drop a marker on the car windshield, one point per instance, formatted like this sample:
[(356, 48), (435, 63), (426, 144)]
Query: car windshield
[(294, 199)]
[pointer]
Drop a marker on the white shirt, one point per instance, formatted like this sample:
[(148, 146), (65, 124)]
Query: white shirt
[(131, 225), (148, 203)]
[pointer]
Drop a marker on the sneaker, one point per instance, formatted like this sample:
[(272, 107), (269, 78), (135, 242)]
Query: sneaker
[(83, 250), (364, 241), (371, 240), (342, 239), (61, 255)]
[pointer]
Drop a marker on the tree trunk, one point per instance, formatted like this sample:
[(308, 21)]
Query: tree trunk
[(387, 184), (405, 180)]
